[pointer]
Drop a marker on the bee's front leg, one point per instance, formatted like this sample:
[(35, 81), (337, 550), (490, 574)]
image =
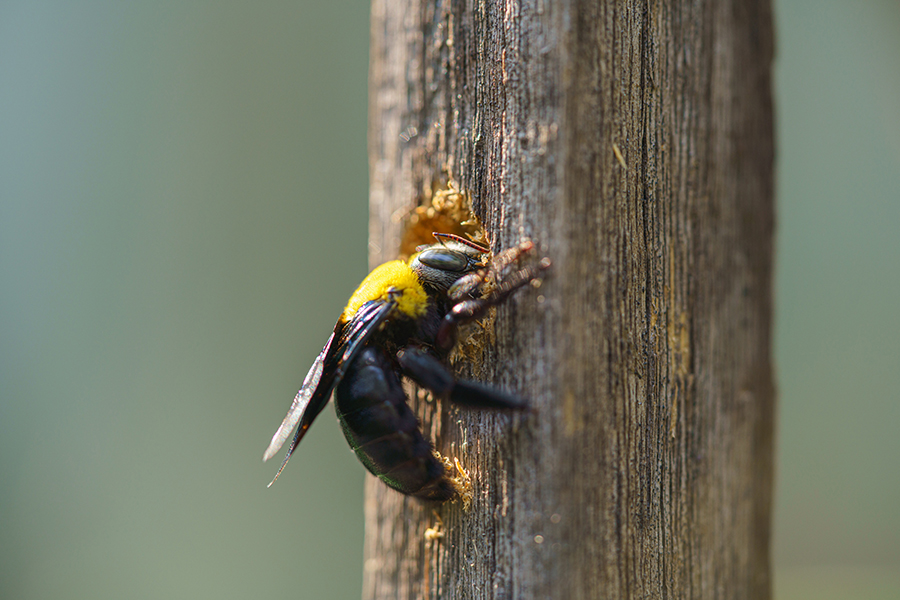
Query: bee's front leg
[(467, 291)]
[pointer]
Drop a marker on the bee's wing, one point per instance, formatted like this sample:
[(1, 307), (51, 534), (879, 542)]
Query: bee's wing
[(301, 402), (326, 372)]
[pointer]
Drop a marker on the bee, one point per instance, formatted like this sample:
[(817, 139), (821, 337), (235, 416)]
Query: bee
[(403, 321)]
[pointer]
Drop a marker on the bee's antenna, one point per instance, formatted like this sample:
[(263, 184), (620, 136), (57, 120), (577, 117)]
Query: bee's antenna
[(441, 237)]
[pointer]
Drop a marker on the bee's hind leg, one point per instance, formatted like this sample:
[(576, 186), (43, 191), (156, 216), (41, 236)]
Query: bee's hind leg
[(430, 373)]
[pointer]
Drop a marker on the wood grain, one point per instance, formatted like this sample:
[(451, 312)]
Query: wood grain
[(633, 141)]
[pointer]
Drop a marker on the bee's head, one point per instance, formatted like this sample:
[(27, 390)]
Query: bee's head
[(440, 265)]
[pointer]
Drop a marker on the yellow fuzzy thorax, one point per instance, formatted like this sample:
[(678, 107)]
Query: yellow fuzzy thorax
[(393, 275)]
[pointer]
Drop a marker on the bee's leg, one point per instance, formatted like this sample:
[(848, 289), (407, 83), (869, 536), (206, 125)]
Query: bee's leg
[(430, 373), (467, 287), (469, 309)]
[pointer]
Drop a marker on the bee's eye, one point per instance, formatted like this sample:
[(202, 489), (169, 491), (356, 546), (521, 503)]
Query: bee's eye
[(444, 259)]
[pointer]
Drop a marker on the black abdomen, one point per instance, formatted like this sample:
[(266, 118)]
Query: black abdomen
[(383, 431)]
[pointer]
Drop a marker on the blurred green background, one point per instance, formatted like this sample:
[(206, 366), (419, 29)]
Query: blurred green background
[(174, 179)]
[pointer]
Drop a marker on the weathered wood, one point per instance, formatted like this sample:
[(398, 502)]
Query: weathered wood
[(634, 142)]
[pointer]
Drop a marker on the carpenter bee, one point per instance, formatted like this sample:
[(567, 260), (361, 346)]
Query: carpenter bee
[(403, 321)]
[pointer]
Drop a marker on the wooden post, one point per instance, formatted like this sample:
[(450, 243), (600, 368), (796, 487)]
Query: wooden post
[(633, 141)]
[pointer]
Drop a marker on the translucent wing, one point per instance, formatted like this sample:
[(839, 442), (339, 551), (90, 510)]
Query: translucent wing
[(301, 401), (326, 372)]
